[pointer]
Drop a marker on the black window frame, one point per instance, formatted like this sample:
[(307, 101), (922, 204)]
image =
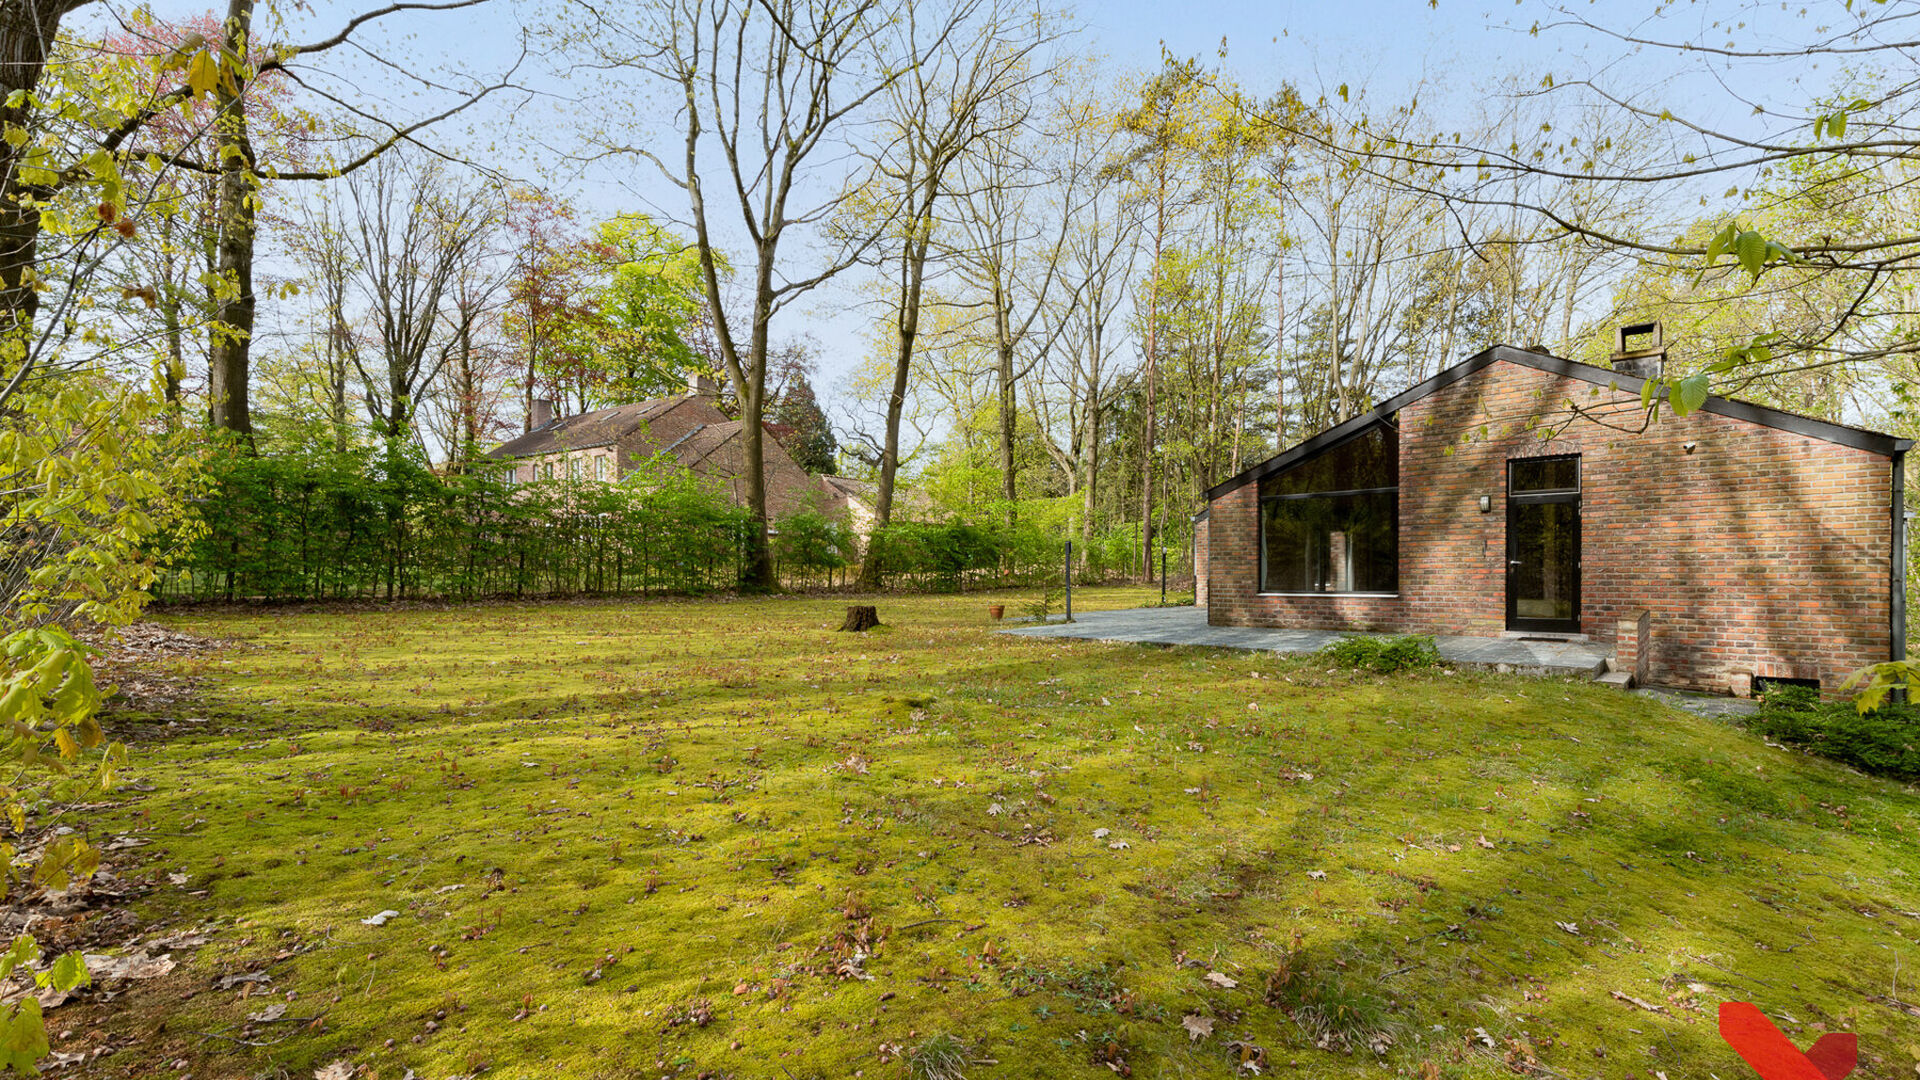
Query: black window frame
[(1575, 497), (1393, 514)]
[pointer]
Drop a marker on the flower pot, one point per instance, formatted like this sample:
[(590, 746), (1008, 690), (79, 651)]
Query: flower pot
[(996, 611)]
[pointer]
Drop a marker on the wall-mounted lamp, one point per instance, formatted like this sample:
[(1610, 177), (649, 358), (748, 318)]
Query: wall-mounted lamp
[(1688, 447), (1486, 504)]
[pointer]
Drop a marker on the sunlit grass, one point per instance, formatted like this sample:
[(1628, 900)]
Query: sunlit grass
[(635, 839)]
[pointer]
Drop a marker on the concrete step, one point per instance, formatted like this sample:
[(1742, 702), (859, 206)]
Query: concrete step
[(1621, 679)]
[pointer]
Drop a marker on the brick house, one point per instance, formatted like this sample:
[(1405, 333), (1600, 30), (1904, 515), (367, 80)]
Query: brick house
[(1734, 544), (608, 444)]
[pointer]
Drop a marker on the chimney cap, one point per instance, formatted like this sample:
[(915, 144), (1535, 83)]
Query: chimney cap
[(1643, 363), (1653, 329)]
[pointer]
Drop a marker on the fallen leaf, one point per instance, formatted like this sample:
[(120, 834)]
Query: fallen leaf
[(1571, 928), (996, 810), (1198, 1027), (1317, 875), (1102, 834), (228, 982), (1118, 845), (141, 966), (380, 919), (269, 1014), (1484, 842), (339, 1070), (1225, 982)]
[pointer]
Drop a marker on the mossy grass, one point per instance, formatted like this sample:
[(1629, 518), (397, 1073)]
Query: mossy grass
[(719, 838)]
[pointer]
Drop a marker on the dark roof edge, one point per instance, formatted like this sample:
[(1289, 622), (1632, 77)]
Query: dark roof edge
[(1824, 430)]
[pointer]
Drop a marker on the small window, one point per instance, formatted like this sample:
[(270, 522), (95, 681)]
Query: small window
[(1533, 476), (549, 470), (600, 467)]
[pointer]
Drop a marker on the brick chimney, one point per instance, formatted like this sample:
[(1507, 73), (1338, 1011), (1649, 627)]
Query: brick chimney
[(1645, 358), (699, 384), (542, 414)]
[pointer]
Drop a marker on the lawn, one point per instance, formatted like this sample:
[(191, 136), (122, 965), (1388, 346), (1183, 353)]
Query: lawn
[(719, 839)]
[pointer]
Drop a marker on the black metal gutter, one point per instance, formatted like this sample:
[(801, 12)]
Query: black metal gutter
[(1897, 577)]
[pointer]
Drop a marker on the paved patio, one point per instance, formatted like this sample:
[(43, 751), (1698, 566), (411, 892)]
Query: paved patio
[(1188, 626)]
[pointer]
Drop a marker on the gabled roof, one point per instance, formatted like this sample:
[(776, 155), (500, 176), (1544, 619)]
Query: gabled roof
[(587, 430), (1825, 430)]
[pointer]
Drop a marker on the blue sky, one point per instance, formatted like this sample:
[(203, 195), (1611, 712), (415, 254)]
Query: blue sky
[(1453, 51)]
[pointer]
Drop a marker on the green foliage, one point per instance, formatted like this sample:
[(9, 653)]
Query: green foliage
[(956, 555), (1041, 607), (813, 543), (1751, 250), (1884, 740), (635, 324), (92, 479), (812, 443), (1383, 655), (23, 1033), (381, 524)]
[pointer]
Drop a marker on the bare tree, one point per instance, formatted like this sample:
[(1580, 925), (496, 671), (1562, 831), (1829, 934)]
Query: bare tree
[(226, 71), (939, 112), (418, 233), (1018, 202), (323, 248), (769, 95)]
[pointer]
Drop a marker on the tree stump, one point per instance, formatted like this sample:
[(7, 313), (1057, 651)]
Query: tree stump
[(861, 617)]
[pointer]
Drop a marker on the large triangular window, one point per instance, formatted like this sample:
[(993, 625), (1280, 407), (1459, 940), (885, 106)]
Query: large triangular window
[(1330, 523)]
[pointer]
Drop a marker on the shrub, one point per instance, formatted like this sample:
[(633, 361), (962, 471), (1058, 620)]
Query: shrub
[(1885, 741), (1040, 608), (812, 543), (1383, 655)]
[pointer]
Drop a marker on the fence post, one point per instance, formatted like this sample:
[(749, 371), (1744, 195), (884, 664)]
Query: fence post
[(1163, 572), (1069, 581)]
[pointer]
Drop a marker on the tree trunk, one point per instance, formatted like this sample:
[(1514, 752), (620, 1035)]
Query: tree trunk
[(1153, 372), (27, 31), (861, 618), (227, 382), (1007, 418)]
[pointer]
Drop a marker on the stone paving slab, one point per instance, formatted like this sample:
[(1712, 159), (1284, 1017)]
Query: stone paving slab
[(1188, 626)]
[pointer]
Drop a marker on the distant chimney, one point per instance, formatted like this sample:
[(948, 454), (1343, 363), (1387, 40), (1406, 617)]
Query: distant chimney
[(700, 385), (542, 413), (1642, 359)]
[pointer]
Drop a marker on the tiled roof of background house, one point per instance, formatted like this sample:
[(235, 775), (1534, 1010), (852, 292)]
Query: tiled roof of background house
[(587, 430)]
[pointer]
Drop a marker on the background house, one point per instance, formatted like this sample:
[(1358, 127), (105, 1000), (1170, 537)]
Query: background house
[(608, 444)]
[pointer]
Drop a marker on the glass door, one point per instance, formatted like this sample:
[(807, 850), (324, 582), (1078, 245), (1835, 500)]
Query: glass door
[(1543, 544)]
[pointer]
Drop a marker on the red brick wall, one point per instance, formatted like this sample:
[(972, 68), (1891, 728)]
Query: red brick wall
[(1761, 551)]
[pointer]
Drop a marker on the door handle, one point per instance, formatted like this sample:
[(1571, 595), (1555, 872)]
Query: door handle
[(1514, 562)]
